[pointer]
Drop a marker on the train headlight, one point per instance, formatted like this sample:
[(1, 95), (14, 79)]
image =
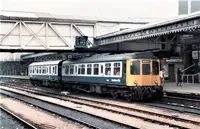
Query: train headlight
[(135, 82), (156, 82)]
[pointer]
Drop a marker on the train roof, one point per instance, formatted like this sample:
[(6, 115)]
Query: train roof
[(116, 57), (56, 62)]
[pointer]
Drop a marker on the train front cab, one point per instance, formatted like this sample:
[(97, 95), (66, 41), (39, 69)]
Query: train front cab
[(143, 76)]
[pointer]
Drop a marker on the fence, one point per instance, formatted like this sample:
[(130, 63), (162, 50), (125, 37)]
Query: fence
[(190, 78)]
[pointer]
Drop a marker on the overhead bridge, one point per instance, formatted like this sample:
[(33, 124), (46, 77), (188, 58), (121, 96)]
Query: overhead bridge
[(28, 31)]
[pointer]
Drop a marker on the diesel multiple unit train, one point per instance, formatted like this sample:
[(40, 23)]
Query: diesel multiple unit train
[(134, 76)]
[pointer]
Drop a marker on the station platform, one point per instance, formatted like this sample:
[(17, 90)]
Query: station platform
[(14, 76), (187, 88)]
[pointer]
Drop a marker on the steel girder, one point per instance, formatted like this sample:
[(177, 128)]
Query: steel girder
[(22, 35)]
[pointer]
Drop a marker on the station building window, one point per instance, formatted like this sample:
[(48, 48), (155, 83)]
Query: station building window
[(117, 70), (108, 69), (96, 69), (89, 69)]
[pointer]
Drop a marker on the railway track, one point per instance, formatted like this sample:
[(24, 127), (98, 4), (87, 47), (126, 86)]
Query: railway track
[(163, 119), (175, 94), (179, 103), (91, 121), (21, 120), (189, 102), (186, 105), (175, 107)]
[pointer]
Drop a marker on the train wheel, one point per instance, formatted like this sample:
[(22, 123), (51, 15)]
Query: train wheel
[(148, 94), (129, 97), (114, 94)]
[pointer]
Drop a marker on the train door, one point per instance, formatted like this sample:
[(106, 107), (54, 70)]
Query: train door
[(102, 69), (155, 72), (146, 76), (59, 71), (133, 72)]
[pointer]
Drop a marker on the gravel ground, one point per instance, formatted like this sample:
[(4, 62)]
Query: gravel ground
[(104, 124), (105, 114), (8, 122), (36, 116)]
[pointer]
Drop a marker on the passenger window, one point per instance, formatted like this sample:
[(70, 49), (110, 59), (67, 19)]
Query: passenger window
[(145, 69), (56, 69), (101, 69), (108, 69), (53, 72), (83, 69), (67, 69), (35, 70), (155, 67), (96, 69), (71, 69), (135, 68), (79, 69), (46, 69), (89, 69), (49, 69), (117, 69), (40, 70), (75, 69), (43, 70)]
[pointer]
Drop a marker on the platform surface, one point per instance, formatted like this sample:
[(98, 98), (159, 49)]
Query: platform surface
[(14, 76), (186, 88)]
